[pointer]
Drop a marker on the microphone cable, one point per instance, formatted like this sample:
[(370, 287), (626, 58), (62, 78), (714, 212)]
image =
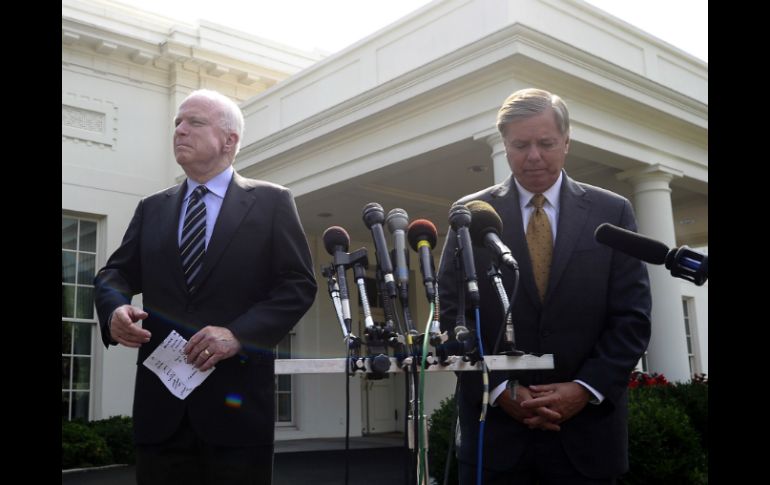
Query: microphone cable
[(347, 409), (508, 312), (484, 399), (422, 473)]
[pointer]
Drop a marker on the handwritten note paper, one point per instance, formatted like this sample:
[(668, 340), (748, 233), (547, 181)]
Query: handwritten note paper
[(168, 362)]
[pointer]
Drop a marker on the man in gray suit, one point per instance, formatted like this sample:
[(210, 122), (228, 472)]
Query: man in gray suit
[(581, 301), (222, 260)]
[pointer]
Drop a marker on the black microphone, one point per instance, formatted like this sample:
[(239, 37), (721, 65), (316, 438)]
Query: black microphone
[(422, 235), (336, 242), (460, 219), (683, 262), (397, 221), (374, 216), (486, 227)]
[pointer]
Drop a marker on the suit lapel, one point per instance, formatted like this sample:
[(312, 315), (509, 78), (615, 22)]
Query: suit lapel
[(236, 204), (573, 213), (169, 223)]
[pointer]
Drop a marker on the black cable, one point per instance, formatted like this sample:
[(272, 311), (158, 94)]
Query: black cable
[(347, 414), (407, 456)]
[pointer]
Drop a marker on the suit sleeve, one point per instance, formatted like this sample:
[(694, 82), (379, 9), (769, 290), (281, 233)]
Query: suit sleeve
[(293, 285), (627, 329), (120, 279)]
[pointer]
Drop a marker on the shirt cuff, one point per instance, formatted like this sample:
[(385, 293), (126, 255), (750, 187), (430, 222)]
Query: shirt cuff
[(496, 393), (598, 396)]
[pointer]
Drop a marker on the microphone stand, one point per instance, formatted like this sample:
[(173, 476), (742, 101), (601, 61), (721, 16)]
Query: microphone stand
[(334, 292), (375, 337), (509, 342)]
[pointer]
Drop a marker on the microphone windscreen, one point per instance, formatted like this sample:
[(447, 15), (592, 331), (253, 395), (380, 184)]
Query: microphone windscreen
[(484, 219), (373, 213), (631, 243), (334, 237), (421, 229), (397, 219), (459, 216)]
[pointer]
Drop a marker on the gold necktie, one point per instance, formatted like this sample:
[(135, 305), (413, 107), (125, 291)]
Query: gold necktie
[(540, 243)]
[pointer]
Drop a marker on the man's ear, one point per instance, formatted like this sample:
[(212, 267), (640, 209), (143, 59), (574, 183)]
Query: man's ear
[(231, 141)]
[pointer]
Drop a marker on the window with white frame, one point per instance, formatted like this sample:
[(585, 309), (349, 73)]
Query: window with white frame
[(689, 329), (283, 398), (78, 267)]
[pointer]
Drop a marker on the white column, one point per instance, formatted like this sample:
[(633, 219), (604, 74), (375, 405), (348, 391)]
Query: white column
[(667, 352), (500, 168)]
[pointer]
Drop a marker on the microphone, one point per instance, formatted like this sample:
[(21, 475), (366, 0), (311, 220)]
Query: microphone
[(683, 262), (336, 242), (397, 221), (460, 219), (486, 227), (373, 216), (422, 235)]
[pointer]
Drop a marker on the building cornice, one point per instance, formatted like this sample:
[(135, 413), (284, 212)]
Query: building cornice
[(125, 35)]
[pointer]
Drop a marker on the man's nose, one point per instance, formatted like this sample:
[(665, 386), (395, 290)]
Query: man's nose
[(533, 153)]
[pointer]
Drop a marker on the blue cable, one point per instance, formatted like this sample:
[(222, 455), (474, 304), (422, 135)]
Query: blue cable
[(484, 400)]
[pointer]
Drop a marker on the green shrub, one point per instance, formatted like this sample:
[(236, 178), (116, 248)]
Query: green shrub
[(663, 446), (117, 432), (694, 398), (82, 447), (440, 435)]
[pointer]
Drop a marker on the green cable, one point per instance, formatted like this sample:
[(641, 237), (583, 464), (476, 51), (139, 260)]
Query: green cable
[(420, 438)]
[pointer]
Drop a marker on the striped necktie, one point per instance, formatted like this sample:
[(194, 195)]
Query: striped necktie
[(540, 243), (193, 244)]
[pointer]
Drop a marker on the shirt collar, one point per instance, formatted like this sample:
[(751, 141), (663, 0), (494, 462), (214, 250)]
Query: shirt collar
[(218, 185), (551, 195)]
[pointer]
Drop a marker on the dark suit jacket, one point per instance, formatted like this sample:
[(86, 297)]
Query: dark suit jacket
[(257, 280), (595, 320)]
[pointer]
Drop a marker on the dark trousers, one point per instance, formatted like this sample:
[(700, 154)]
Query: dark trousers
[(543, 463), (186, 460)]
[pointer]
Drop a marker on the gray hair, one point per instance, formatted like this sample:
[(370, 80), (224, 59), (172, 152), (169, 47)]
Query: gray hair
[(529, 102), (231, 117)]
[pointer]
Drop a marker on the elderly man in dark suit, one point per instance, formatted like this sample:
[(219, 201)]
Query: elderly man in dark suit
[(224, 261), (583, 302)]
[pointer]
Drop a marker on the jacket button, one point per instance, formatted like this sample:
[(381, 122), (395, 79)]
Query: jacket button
[(545, 333)]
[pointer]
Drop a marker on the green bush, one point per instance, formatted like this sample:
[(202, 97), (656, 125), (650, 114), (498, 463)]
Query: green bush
[(82, 447), (440, 435), (694, 398), (663, 446), (117, 431)]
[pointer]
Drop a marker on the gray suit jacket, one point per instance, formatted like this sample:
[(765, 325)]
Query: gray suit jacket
[(595, 320)]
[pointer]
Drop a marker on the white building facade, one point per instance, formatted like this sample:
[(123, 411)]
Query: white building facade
[(406, 118)]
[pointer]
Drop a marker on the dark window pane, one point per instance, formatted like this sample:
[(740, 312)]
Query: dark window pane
[(65, 373), (80, 405), (69, 233), (284, 383), (88, 236), (284, 407), (86, 268), (81, 373), (82, 338), (65, 405), (68, 267), (66, 338), (85, 308), (68, 301)]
